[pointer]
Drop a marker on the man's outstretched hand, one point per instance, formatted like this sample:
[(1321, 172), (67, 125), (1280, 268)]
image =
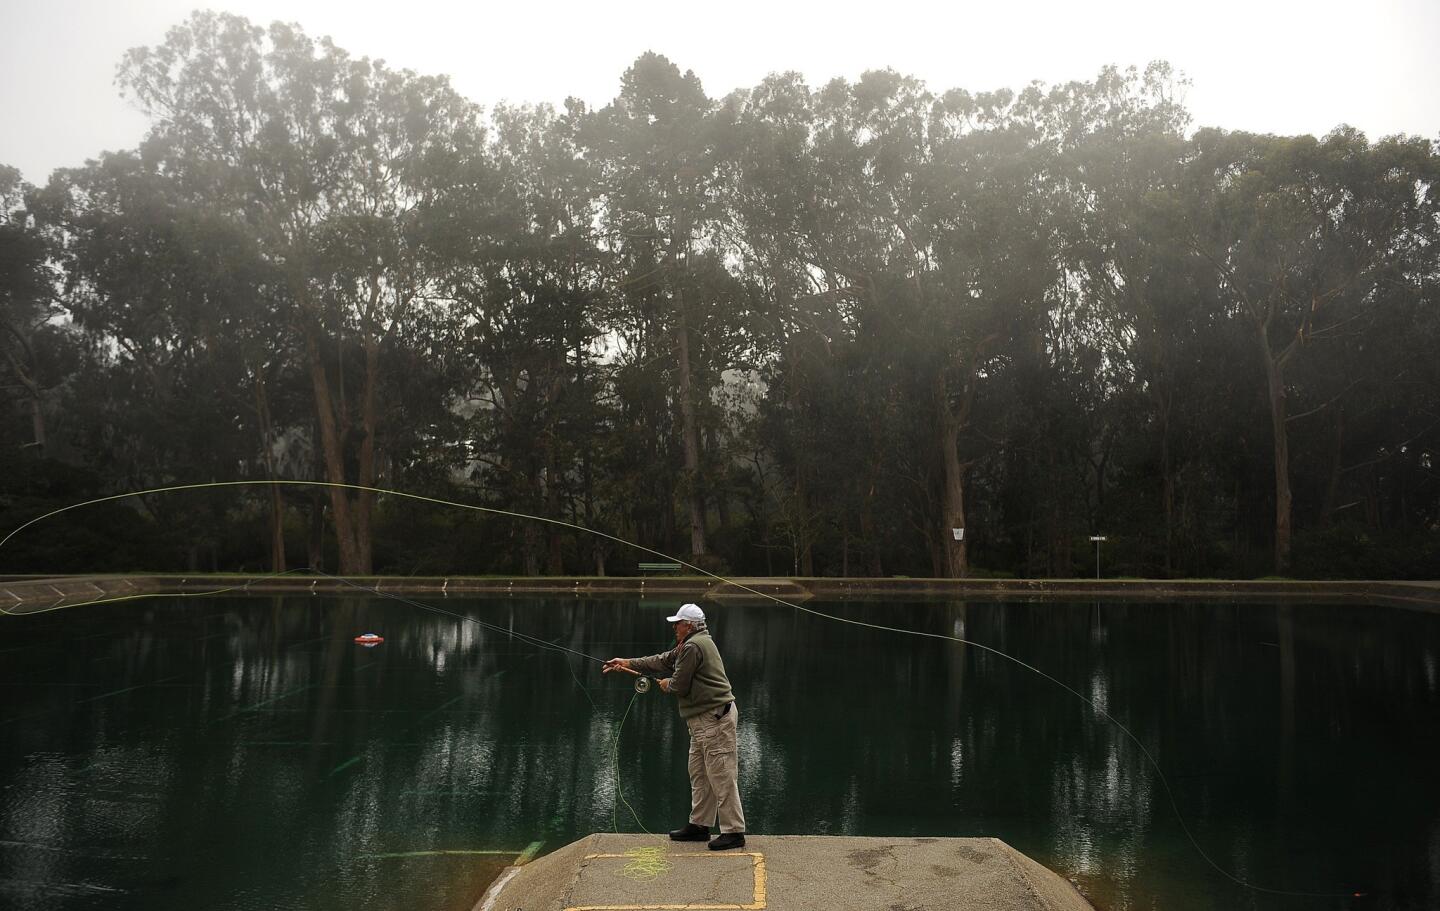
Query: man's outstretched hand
[(616, 664)]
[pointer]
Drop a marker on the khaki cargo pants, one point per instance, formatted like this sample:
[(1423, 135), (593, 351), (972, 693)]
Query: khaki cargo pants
[(714, 766)]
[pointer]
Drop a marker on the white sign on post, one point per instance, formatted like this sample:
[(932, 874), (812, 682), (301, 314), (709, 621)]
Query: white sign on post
[(959, 533)]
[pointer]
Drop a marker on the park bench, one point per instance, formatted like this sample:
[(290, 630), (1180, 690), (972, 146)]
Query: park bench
[(659, 567)]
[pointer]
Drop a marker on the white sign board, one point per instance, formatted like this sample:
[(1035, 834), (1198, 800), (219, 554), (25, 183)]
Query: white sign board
[(959, 533)]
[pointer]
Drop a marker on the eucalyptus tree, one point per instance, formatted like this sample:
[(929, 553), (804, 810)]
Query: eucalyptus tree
[(159, 285), (658, 172), (27, 305), (913, 229), (1363, 410), (953, 193), (518, 262), (818, 236), (1139, 292), (1304, 236), (796, 244), (328, 161), (1010, 302)]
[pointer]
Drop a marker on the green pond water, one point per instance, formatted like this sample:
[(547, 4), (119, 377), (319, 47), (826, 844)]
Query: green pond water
[(247, 754)]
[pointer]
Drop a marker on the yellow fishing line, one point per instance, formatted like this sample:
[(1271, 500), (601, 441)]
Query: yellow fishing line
[(359, 487), (645, 864), (615, 757)]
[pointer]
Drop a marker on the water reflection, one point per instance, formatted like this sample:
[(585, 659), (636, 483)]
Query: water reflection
[(250, 755)]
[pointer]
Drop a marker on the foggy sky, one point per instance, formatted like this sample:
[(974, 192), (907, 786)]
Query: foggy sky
[(1263, 65)]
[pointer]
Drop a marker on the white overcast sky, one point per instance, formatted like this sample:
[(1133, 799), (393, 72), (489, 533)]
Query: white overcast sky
[(1265, 65)]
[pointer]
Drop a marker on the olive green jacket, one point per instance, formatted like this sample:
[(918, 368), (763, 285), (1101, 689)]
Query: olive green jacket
[(697, 675)]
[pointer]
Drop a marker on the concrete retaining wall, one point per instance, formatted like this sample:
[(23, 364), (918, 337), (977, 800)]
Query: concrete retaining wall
[(25, 594)]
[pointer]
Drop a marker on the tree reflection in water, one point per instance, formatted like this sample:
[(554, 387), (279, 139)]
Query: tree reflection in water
[(249, 754)]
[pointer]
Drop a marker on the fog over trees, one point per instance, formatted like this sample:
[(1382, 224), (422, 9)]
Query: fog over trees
[(794, 330)]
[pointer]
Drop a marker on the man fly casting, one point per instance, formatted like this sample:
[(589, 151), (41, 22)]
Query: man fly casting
[(694, 673)]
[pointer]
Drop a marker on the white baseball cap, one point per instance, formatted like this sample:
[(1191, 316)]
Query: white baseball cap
[(690, 612)]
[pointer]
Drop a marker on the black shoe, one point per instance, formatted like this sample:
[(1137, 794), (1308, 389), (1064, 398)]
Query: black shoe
[(691, 832), (727, 841)]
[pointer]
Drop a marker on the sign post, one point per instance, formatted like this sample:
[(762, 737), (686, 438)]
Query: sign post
[(1097, 539)]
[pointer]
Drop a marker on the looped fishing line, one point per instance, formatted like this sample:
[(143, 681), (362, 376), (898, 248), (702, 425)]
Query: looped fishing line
[(615, 758), (645, 864), (1160, 774)]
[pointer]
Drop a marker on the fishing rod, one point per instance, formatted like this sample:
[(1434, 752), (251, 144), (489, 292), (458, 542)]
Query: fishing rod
[(642, 682), (960, 640)]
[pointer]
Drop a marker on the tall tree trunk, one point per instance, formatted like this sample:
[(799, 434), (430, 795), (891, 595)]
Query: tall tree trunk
[(363, 515), (1030, 541), (37, 422), (666, 503), (530, 545), (587, 476), (867, 531), (952, 507), (333, 453), (805, 547), (1275, 380), (1057, 525), (555, 558), (277, 531), (32, 389), (597, 544), (1371, 499), (277, 499), (690, 436), (315, 543), (1337, 453), (1167, 490), (720, 494)]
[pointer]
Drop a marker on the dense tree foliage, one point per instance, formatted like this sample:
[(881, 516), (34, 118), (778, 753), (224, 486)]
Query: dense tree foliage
[(791, 330)]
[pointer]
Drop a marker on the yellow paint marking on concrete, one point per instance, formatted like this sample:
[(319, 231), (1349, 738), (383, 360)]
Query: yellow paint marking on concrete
[(757, 903), (435, 853)]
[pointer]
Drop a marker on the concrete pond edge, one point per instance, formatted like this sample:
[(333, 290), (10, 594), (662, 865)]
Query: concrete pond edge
[(26, 594)]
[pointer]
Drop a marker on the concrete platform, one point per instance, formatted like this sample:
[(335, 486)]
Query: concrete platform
[(743, 591), (787, 873)]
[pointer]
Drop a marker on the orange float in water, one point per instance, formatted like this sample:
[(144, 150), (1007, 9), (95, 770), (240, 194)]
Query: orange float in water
[(369, 640)]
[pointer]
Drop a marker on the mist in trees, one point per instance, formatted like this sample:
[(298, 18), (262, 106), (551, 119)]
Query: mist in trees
[(795, 329)]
